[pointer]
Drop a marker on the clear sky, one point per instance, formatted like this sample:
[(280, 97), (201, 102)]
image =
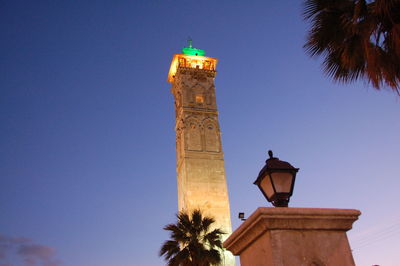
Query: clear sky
[(87, 162)]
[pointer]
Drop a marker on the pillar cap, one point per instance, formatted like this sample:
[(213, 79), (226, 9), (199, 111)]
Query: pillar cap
[(302, 219)]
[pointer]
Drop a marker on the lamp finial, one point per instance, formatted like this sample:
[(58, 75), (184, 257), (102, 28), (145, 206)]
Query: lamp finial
[(271, 155), (190, 42)]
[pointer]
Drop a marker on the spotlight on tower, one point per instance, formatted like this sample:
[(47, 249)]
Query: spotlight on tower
[(276, 181)]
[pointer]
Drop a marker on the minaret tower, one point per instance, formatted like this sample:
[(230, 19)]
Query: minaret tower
[(200, 160)]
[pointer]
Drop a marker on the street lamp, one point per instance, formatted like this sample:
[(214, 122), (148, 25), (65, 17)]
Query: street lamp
[(276, 181)]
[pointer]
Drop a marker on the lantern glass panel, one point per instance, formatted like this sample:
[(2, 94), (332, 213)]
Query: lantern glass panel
[(266, 186), (282, 181)]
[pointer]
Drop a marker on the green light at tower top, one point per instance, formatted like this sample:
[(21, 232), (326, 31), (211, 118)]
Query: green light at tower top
[(192, 51)]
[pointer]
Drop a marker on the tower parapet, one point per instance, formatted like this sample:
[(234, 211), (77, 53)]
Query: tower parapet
[(191, 62)]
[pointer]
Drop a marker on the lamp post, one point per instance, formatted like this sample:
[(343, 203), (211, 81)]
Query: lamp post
[(276, 181), (271, 236)]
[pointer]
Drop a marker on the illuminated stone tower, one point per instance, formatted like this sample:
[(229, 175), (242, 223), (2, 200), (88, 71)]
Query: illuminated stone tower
[(200, 160)]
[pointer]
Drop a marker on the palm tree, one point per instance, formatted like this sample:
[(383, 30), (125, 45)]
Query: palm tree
[(192, 241), (358, 39)]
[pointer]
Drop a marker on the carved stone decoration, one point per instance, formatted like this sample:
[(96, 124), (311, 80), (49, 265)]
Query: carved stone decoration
[(178, 100), (179, 139), (211, 136), (210, 98), (197, 93), (193, 135)]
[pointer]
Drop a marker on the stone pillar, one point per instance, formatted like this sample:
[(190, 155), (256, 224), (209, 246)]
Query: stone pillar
[(294, 236)]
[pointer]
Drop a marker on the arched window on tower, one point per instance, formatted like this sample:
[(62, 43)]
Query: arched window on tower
[(193, 135), (211, 136)]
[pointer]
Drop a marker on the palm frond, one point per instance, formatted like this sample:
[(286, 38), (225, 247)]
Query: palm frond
[(213, 256), (206, 222), (197, 218), (214, 238), (357, 38), (177, 233), (169, 249)]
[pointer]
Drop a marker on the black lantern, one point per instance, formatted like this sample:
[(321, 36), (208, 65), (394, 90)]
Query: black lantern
[(276, 181)]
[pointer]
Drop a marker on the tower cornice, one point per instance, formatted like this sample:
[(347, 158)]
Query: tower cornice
[(187, 112)]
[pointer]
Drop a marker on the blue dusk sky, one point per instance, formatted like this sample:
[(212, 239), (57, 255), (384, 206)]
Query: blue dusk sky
[(87, 162)]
